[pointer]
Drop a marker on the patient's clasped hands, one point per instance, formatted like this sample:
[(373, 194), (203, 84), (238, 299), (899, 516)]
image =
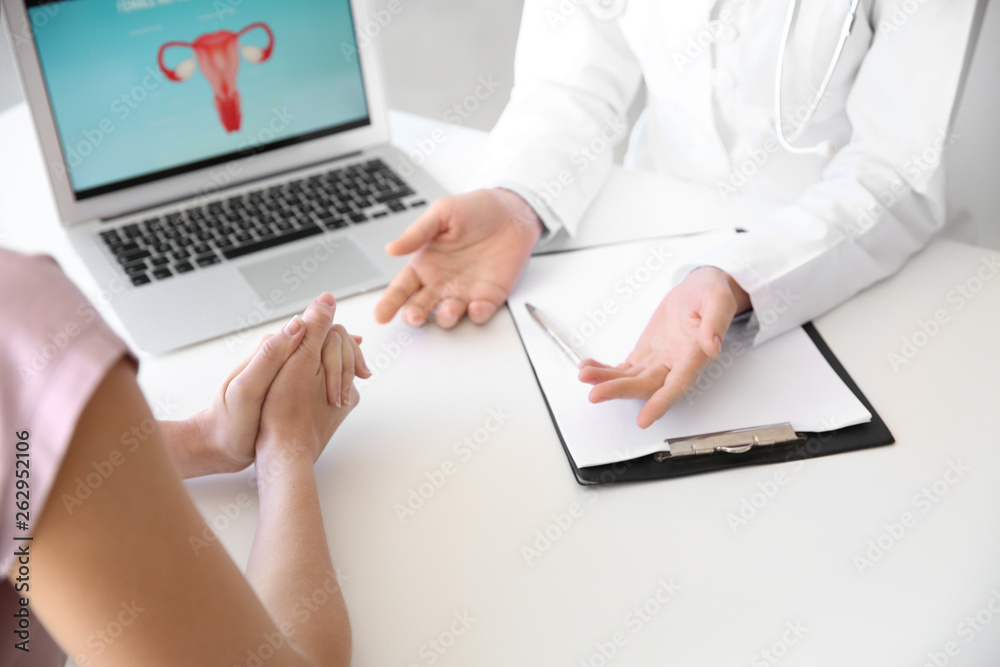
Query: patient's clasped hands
[(293, 392)]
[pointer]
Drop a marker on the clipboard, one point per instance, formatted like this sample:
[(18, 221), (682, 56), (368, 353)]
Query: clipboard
[(701, 453)]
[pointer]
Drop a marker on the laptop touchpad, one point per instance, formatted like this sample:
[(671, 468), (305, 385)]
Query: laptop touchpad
[(329, 266)]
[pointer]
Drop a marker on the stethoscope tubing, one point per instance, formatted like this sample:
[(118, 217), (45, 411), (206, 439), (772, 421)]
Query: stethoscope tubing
[(824, 147)]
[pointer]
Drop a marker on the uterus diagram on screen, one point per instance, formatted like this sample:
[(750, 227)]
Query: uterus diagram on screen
[(218, 56)]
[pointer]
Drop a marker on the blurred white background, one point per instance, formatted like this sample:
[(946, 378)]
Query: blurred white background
[(437, 50)]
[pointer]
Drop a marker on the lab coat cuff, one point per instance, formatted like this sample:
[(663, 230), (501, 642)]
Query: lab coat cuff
[(773, 306), (558, 193), (552, 228)]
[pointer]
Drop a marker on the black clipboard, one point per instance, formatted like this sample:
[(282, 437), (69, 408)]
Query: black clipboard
[(806, 446)]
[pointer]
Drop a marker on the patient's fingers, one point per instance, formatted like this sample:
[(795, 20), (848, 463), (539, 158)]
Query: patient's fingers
[(347, 369), (318, 318), (243, 364), (360, 366), (252, 383), (333, 367)]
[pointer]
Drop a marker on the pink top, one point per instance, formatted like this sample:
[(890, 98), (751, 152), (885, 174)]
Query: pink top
[(55, 351)]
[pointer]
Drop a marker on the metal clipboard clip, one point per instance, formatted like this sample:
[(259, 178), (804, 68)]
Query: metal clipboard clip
[(737, 441)]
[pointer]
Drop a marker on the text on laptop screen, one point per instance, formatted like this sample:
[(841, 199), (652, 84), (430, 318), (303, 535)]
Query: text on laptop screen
[(144, 89)]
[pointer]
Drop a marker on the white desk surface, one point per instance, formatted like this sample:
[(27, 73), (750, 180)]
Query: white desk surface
[(792, 565)]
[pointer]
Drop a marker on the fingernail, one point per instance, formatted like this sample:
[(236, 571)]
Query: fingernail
[(326, 299), (294, 326), (718, 342), (346, 396)]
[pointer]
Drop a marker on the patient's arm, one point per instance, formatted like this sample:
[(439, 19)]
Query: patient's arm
[(133, 554)]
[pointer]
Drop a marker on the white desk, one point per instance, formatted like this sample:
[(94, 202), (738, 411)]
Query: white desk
[(461, 552)]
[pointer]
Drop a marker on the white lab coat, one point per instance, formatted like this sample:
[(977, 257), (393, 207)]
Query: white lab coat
[(847, 221)]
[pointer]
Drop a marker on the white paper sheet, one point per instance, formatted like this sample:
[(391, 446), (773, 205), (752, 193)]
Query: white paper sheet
[(600, 299)]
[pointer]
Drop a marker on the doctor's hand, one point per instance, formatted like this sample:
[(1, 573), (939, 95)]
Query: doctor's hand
[(680, 341), (468, 253)]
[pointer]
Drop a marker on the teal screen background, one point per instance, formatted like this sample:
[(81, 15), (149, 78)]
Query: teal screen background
[(120, 118)]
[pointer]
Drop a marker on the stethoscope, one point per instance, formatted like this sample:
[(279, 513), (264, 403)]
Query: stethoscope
[(826, 147)]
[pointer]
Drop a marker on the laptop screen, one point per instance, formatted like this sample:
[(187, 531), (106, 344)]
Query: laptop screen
[(145, 89)]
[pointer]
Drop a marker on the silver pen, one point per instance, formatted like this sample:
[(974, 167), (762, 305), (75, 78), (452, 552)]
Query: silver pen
[(554, 335)]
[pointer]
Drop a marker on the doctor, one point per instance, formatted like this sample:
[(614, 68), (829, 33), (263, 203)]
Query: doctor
[(840, 116)]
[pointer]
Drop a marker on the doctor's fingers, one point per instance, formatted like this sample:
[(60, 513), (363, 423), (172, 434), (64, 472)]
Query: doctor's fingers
[(642, 385), (419, 309), (399, 291), (485, 298), (717, 312), (450, 311), (681, 378), (597, 374), (481, 310), (588, 362), (422, 231)]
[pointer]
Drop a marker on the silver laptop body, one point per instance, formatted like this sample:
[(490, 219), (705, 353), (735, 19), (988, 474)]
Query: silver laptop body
[(216, 164)]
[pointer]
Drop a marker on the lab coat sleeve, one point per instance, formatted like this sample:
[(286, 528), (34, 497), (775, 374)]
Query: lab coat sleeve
[(574, 79), (882, 196)]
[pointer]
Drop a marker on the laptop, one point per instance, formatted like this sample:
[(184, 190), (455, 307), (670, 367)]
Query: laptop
[(217, 163)]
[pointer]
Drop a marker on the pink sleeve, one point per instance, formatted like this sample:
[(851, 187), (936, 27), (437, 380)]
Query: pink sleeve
[(56, 351)]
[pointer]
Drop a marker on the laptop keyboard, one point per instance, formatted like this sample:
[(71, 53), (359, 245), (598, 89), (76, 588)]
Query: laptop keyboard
[(179, 242)]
